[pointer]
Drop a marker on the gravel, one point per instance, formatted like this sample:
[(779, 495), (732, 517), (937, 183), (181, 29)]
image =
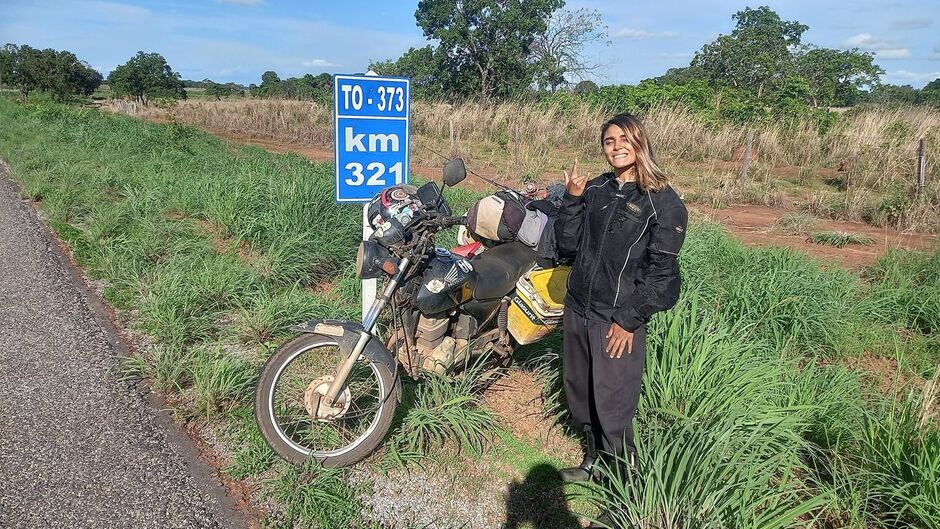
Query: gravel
[(78, 447), (406, 499)]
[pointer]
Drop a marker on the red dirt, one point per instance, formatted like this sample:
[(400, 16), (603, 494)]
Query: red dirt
[(516, 399), (753, 225), (750, 223), (240, 491)]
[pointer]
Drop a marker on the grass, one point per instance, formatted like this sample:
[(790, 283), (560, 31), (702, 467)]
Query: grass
[(312, 496), (748, 418), (871, 148), (840, 239), (795, 224), (441, 411)]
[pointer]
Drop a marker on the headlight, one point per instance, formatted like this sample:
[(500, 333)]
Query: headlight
[(372, 260)]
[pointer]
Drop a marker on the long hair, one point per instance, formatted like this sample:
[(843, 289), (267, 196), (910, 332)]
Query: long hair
[(649, 176)]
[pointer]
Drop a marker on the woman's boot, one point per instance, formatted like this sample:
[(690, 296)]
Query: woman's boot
[(584, 471)]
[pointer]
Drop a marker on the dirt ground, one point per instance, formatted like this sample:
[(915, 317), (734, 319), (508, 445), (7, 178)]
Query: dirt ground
[(752, 224), (517, 402)]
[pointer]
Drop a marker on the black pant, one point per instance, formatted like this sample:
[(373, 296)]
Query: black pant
[(602, 392)]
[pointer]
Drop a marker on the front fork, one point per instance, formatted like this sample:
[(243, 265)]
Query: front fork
[(368, 323)]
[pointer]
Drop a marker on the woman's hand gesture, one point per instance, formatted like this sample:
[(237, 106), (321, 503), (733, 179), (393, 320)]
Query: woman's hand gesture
[(574, 183)]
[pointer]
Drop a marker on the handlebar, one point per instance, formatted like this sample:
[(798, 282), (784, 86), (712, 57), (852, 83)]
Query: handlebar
[(447, 222)]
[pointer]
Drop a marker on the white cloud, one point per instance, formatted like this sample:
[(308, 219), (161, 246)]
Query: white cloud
[(936, 54), (241, 2), (639, 34), (893, 53), (318, 63), (883, 49), (862, 40)]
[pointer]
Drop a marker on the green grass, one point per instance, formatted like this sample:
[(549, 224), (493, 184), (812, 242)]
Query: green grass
[(747, 418), (840, 239), (795, 224), (312, 496), (442, 410)]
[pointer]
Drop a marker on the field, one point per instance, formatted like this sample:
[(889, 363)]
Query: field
[(862, 168), (789, 393)]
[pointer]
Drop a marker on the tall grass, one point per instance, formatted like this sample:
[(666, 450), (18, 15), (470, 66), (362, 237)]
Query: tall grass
[(201, 245), (906, 285), (736, 435), (747, 420), (872, 146), (443, 410), (312, 496)]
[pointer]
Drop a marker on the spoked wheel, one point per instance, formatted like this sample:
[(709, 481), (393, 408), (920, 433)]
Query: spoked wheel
[(297, 419)]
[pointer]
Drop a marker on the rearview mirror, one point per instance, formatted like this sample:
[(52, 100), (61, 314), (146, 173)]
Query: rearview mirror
[(454, 172)]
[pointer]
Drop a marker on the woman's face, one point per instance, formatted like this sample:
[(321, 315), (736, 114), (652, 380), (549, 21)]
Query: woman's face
[(619, 152)]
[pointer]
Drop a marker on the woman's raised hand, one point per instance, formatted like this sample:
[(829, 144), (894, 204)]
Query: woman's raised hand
[(574, 183)]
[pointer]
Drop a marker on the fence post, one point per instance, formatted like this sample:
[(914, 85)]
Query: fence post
[(747, 154), (921, 167)]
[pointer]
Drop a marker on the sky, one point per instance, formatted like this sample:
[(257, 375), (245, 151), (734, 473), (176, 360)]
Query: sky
[(237, 40)]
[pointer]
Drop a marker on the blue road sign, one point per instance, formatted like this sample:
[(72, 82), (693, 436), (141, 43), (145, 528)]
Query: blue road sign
[(371, 125)]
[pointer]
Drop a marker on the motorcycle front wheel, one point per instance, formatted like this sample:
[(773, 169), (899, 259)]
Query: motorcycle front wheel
[(299, 423)]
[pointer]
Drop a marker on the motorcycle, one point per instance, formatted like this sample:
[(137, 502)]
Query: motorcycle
[(330, 393)]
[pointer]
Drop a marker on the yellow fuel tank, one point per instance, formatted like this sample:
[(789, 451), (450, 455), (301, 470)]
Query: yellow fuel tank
[(538, 304)]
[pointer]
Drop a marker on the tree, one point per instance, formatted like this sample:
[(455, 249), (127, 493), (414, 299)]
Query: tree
[(309, 87), (586, 88), (146, 76), (490, 38), (556, 53), (427, 68), (219, 90), (835, 76), (681, 76), (64, 75), (930, 93), (7, 60), (60, 73), (894, 94), (755, 54), (26, 69)]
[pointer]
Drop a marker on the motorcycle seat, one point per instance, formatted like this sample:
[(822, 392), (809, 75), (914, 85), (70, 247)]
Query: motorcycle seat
[(497, 269)]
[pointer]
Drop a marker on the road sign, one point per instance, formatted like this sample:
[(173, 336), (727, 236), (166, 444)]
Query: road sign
[(371, 125)]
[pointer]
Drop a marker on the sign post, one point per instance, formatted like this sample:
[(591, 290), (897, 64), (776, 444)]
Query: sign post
[(371, 143)]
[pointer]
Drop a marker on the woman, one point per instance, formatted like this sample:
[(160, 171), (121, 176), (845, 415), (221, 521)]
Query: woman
[(625, 229)]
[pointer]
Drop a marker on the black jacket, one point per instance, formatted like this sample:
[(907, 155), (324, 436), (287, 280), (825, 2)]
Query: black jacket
[(625, 242)]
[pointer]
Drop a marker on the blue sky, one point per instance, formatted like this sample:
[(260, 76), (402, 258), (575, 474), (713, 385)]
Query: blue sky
[(236, 40)]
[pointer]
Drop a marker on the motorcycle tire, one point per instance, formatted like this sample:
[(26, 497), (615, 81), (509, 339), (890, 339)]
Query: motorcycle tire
[(281, 441)]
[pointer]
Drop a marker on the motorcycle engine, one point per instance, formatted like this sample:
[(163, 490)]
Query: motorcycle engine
[(435, 350)]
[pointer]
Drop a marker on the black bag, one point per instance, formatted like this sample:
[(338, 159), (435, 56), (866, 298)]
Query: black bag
[(498, 217)]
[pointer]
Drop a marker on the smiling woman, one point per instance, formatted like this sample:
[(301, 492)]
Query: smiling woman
[(624, 230)]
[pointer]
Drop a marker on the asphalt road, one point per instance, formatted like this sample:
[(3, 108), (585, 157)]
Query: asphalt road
[(79, 448)]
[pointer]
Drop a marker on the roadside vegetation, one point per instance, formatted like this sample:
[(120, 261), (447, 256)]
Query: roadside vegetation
[(760, 407), (862, 168), (780, 392)]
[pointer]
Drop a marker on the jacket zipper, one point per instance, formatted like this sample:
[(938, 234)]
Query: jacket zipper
[(627, 260), (597, 260)]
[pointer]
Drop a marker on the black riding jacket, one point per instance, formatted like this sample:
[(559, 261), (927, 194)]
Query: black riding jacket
[(625, 242)]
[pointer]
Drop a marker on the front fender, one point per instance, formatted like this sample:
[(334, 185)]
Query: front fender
[(347, 334)]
